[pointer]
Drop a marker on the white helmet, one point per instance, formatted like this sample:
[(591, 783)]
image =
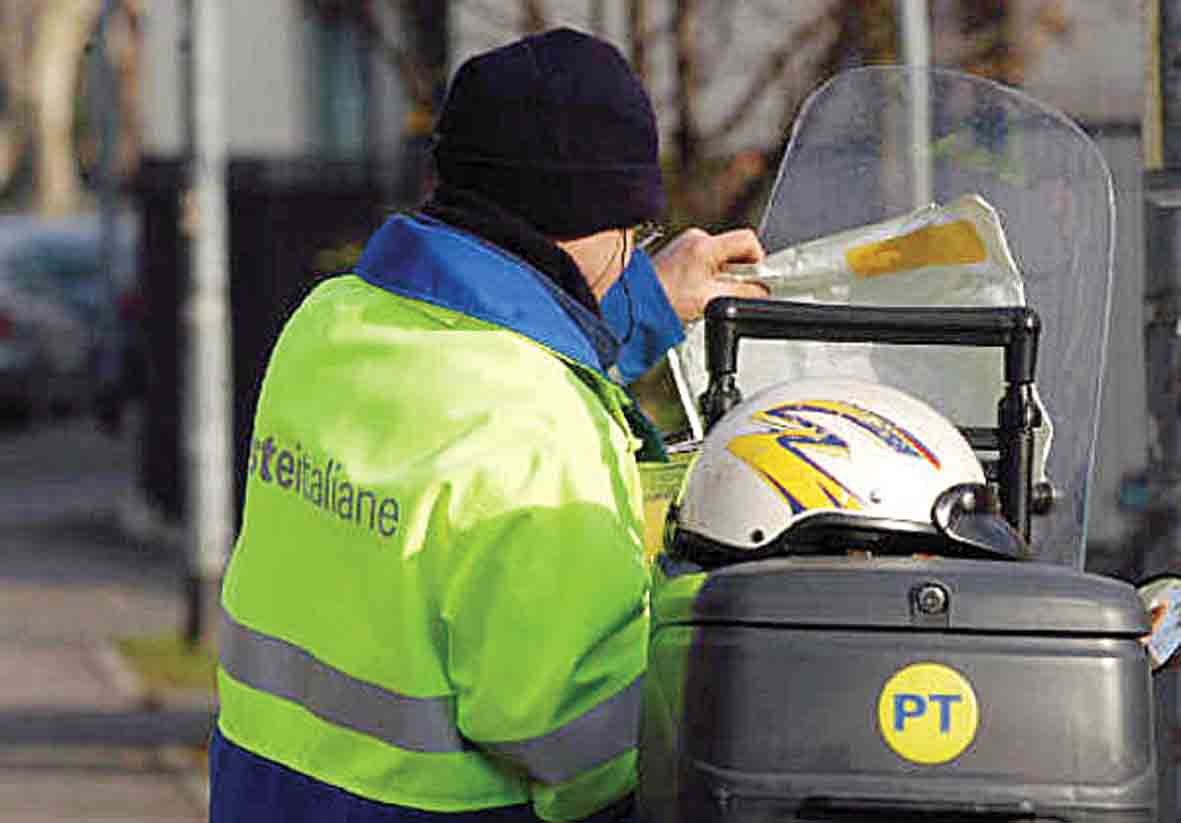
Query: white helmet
[(827, 464)]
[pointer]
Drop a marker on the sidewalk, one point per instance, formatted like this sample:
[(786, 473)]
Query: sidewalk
[(78, 740)]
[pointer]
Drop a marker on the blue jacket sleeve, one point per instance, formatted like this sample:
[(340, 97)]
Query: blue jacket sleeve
[(638, 312)]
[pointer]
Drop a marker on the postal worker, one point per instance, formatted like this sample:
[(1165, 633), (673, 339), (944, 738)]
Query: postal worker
[(436, 608)]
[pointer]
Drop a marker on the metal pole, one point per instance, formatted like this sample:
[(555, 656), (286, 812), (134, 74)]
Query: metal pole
[(208, 425), (105, 111), (916, 52)]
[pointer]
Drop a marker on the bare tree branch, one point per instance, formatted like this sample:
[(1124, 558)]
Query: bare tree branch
[(1050, 22), (533, 16), (637, 30), (127, 54), (425, 25), (418, 60), (62, 30), (715, 38), (772, 70), (686, 132), (1001, 41), (16, 21)]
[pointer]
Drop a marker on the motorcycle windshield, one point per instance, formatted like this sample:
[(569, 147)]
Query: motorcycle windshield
[(874, 144)]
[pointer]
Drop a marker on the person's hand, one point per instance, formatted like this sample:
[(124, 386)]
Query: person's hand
[(689, 265)]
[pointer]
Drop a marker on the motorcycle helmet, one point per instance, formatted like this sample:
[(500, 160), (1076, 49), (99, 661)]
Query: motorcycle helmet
[(836, 466)]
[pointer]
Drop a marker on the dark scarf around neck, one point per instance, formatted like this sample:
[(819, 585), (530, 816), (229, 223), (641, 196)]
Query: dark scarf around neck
[(480, 216)]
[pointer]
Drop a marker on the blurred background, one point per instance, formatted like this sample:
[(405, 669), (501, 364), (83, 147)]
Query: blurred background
[(176, 174)]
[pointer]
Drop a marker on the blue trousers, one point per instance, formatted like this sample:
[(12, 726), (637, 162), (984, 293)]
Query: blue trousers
[(247, 788)]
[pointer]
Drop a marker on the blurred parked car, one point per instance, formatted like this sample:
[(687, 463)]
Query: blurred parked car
[(67, 330), (44, 351)]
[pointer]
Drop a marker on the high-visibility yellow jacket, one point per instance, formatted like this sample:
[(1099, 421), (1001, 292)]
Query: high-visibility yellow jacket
[(438, 597)]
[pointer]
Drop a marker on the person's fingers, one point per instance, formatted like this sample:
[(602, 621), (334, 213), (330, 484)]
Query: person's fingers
[(691, 268), (737, 246), (735, 288), (755, 290)]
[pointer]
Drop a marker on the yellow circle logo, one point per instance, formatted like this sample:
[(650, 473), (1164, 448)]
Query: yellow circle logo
[(928, 713)]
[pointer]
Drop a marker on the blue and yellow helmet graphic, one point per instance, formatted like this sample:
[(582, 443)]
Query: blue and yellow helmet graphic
[(784, 455)]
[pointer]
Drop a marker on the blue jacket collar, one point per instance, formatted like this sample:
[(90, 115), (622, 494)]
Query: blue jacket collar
[(425, 259)]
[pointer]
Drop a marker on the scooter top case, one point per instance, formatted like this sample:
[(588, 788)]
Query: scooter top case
[(816, 688)]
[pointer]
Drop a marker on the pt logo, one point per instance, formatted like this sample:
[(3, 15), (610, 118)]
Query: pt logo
[(927, 713)]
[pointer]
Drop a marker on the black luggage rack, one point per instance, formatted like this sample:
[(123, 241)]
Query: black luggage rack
[(1013, 328)]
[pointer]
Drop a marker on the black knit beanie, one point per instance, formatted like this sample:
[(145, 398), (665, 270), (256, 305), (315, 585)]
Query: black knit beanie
[(556, 128)]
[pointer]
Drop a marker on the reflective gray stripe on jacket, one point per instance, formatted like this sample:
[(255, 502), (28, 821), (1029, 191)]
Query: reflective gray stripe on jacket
[(421, 724), (605, 732)]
